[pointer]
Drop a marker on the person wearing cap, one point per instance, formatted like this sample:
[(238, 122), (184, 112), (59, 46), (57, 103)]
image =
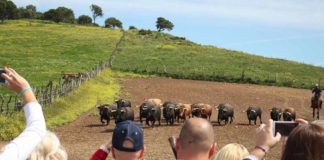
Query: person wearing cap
[(196, 140), (127, 143)]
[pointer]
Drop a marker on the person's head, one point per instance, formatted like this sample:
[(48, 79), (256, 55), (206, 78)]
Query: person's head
[(305, 142), (127, 141), (232, 151), (196, 140), (316, 85), (49, 148)]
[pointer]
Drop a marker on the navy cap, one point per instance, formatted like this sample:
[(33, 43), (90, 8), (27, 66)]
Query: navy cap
[(128, 130)]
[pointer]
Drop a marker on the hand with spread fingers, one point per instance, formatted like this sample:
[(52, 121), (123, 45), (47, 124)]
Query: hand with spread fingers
[(13, 80), (18, 84)]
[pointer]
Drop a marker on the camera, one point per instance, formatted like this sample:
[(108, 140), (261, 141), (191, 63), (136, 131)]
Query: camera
[(283, 127), (2, 80)]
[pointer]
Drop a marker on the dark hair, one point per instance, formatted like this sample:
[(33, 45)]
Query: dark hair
[(306, 142)]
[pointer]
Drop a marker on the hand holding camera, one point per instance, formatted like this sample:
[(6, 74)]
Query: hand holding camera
[(13, 81)]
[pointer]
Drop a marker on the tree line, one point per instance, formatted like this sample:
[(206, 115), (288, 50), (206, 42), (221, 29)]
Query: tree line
[(9, 10)]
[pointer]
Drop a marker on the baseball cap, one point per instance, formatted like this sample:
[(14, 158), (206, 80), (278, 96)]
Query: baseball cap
[(128, 130)]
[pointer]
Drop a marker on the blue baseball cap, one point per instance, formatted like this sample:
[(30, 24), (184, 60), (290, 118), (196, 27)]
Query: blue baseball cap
[(128, 130)]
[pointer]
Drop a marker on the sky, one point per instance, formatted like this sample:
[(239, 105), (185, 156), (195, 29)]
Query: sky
[(286, 29)]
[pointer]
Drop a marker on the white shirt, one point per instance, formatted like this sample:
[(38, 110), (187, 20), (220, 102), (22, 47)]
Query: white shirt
[(21, 147)]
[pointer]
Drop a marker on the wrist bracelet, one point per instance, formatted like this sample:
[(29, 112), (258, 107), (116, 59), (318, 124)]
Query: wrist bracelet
[(22, 91)]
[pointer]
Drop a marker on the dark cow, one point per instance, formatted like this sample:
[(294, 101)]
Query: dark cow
[(253, 113), (169, 112), (107, 111), (201, 110), (123, 114), (123, 103), (195, 110), (225, 112), (144, 109), (289, 114), (153, 115), (275, 114)]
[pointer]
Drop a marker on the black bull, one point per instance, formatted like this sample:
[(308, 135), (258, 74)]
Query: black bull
[(253, 113), (169, 112), (107, 112), (225, 112), (123, 114)]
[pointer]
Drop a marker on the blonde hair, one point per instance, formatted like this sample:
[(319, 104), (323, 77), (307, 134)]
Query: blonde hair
[(232, 151), (49, 148)]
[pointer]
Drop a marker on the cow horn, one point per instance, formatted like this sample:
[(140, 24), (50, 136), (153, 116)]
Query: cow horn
[(122, 111)]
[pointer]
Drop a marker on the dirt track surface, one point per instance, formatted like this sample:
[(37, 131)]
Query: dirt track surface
[(82, 137)]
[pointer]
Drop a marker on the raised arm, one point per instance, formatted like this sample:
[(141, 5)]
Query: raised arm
[(24, 144)]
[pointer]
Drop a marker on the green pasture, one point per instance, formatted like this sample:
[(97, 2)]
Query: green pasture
[(42, 50), (167, 55)]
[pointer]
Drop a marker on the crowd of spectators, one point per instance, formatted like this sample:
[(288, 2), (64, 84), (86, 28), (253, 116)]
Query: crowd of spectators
[(196, 140)]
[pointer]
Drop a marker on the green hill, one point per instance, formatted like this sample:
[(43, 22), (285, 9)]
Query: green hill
[(176, 57), (42, 50)]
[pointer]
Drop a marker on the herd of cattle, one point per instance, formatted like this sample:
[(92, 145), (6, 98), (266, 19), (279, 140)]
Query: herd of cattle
[(152, 110)]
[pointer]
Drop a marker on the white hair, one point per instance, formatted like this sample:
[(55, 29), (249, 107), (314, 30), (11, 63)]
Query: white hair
[(49, 148), (232, 151)]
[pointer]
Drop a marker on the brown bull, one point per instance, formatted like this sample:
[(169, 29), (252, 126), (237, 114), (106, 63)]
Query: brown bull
[(185, 110), (201, 110), (156, 101)]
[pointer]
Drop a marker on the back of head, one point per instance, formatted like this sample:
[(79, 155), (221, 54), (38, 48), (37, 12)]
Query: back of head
[(232, 151), (49, 148), (128, 141), (305, 142), (196, 135)]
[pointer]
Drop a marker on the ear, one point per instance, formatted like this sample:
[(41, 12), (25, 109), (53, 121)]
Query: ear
[(212, 150), (142, 153), (177, 147), (113, 152)]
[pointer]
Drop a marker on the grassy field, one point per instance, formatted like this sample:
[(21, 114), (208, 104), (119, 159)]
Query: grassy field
[(167, 55), (42, 50)]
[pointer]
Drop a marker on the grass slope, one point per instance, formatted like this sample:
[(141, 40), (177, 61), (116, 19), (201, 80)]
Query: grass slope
[(155, 54), (42, 50)]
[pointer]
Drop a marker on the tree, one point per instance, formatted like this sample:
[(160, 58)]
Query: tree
[(96, 12), (162, 24), (132, 27), (113, 22), (60, 14), (84, 20), (8, 10), (29, 12), (65, 15)]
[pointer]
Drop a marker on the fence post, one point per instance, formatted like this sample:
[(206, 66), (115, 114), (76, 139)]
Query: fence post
[(8, 105), (2, 102), (51, 93)]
